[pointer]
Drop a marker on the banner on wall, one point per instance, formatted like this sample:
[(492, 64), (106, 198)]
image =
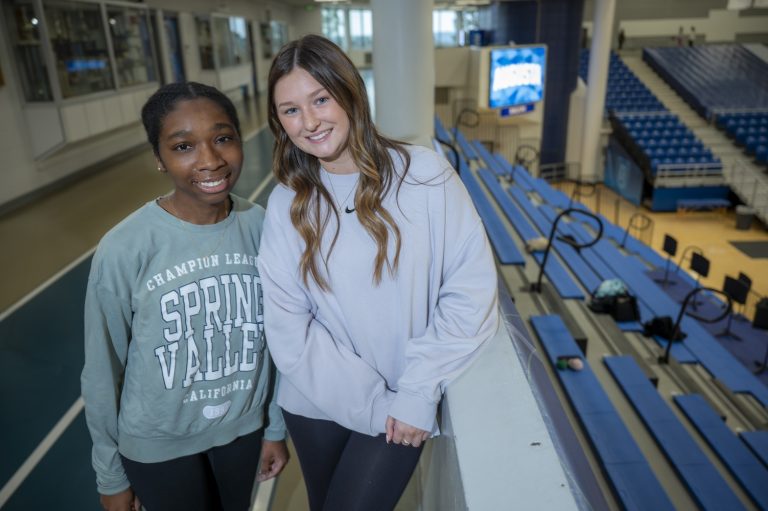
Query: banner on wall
[(622, 174)]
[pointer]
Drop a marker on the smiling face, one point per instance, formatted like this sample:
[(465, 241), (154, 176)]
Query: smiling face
[(200, 149), (314, 120)]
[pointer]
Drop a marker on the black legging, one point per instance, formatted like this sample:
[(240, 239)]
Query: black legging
[(348, 471), (220, 478)]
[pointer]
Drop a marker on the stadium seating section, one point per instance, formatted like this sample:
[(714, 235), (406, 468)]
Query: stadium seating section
[(517, 208), (660, 139), (654, 137), (706, 78)]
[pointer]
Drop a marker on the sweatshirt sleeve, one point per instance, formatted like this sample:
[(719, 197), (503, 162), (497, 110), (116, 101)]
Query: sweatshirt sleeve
[(107, 334), (466, 314), (275, 430), (304, 351)]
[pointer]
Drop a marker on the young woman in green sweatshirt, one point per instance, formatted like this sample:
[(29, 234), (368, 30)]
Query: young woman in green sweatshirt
[(177, 372)]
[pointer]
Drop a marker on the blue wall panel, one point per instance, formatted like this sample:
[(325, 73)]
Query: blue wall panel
[(665, 199), (622, 174)]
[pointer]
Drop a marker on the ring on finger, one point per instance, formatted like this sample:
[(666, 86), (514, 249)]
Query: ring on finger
[(406, 442)]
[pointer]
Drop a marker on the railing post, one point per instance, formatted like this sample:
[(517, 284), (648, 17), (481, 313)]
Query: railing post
[(536, 286), (647, 222), (454, 151), (664, 359)]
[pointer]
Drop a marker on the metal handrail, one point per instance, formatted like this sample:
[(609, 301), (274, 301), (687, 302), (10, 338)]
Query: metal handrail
[(688, 174), (454, 151), (641, 113), (460, 118), (532, 158), (751, 187), (645, 222), (664, 359), (577, 194), (722, 111), (684, 256), (536, 286)]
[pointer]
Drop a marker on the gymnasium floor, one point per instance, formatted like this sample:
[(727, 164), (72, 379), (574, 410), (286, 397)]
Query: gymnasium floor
[(47, 247), (711, 231)]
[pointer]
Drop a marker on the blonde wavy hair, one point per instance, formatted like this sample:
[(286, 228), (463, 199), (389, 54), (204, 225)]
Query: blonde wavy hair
[(369, 150)]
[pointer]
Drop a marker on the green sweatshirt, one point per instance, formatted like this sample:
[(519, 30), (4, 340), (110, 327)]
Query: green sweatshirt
[(175, 354)]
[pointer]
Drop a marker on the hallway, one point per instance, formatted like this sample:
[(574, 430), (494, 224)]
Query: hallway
[(41, 357)]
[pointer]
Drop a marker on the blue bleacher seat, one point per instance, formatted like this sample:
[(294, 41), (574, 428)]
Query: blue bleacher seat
[(524, 229), (702, 479), (440, 131), (466, 148), (761, 154), (629, 473), (751, 474), (490, 162), (503, 243), (758, 443), (728, 68)]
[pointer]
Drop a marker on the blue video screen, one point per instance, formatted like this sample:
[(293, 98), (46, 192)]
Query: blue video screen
[(79, 65), (517, 76)]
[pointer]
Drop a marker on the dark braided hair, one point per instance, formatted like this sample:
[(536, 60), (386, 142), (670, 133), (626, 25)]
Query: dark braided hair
[(164, 100)]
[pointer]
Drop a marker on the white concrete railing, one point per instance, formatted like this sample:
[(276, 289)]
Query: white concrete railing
[(495, 451)]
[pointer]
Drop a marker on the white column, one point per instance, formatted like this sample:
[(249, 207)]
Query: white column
[(597, 80), (404, 69)]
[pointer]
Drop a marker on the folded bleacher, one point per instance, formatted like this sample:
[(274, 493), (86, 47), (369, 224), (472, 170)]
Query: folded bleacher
[(706, 77), (748, 130)]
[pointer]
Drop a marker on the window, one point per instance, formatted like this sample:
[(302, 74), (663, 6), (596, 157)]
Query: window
[(78, 41), (335, 26), (445, 27), (79, 45), (279, 35), (450, 27), (204, 42), (469, 19), (134, 59), (24, 33), (231, 41), (360, 29)]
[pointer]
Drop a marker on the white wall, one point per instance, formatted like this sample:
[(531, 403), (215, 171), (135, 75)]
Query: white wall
[(451, 67), (307, 22), (654, 21), (718, 26)]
